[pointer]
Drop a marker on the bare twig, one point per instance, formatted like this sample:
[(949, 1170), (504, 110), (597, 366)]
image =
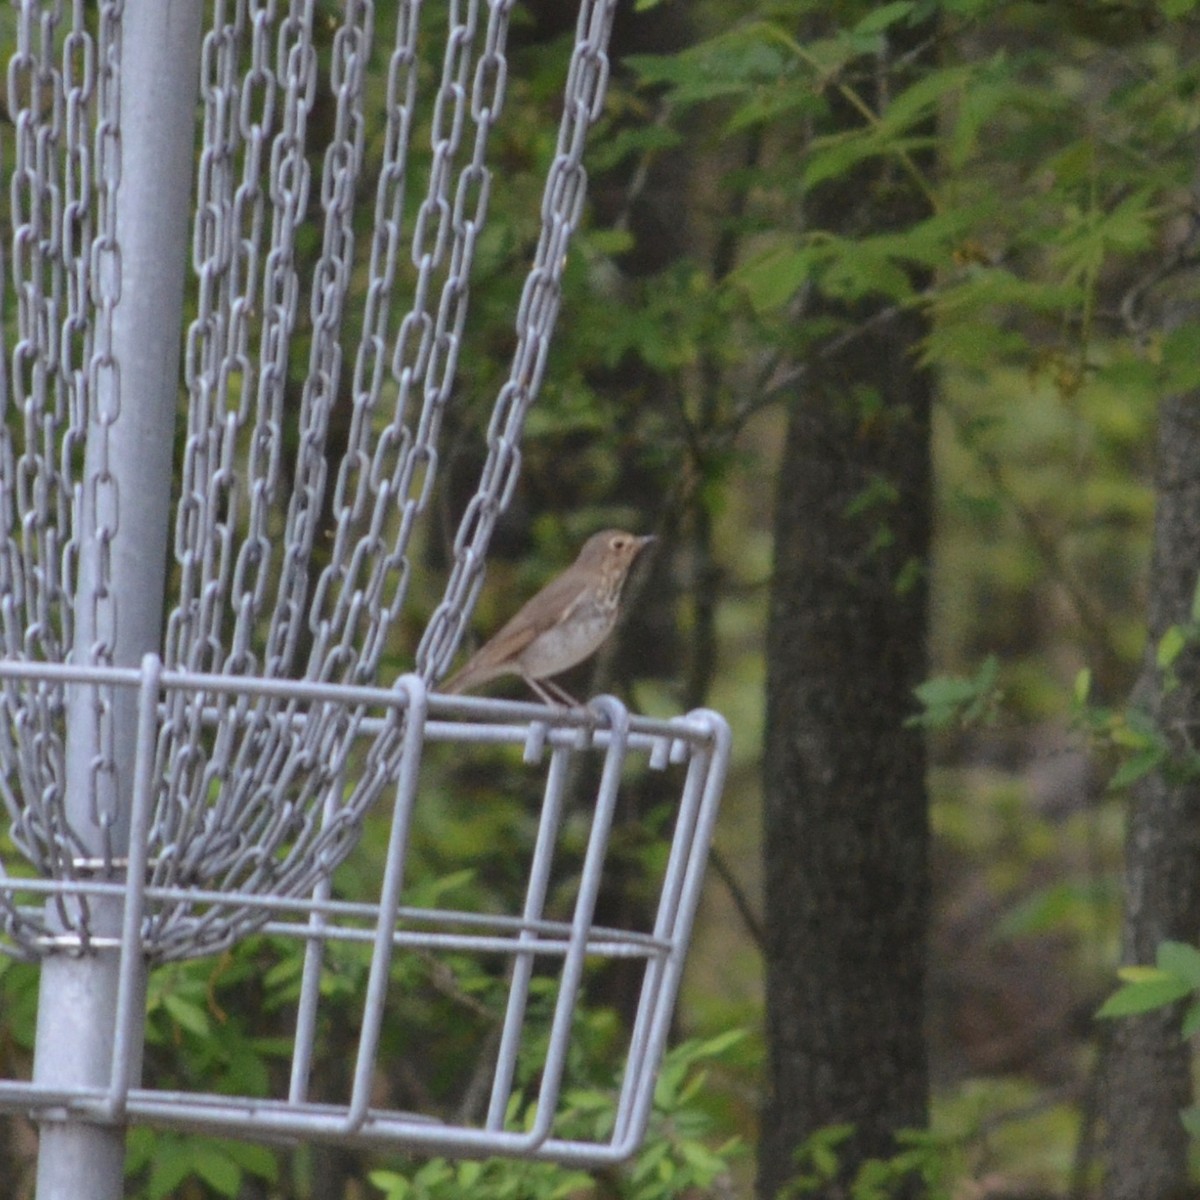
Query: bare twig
[(740, 900)]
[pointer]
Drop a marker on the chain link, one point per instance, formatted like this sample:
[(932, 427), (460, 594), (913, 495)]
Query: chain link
[(35, 617), (104, 500)]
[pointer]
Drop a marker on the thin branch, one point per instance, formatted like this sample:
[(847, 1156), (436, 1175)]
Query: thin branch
[(740, 900), (1091, 618)]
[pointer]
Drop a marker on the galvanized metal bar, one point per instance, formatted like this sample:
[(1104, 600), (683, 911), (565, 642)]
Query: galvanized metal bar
[(310, 979), (680, 924), (522, 964), (389, 900), (640, 1064), (616, 716), (131, 974)]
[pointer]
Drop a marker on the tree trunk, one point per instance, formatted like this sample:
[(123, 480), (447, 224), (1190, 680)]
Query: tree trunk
[(1148, 1075), (846, 827)]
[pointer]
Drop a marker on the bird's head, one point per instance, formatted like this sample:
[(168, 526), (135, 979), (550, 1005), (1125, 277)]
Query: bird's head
[(614, 549)]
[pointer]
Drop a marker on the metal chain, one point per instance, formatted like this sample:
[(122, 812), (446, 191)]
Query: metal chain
[(562, 207), (52, 110), (331, 658), (213, 361), (225, 558), (272, 391), (102, 500)]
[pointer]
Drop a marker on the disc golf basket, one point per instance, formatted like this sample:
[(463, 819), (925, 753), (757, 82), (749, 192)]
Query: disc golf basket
[(216, 449)]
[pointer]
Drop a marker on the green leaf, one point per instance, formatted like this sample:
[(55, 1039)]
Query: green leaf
[(772, 278), (1070, 905), (1143, 997), (1181, 960), (951, 700), (1191, 1022), (217, 1169), (1083, 687), (833, 155), (702, 1160), (1141, 974), (393, 1186), (626, 143), (187, 1015), (730, 64), (172, 1164), (1136, 767), (769, 102), (860, 273), (875, 494), (1191, 1121), (254, 1160), (884, 17), (1170, 646), (713, 1047)]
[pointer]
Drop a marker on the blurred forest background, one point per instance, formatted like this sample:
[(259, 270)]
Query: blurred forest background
[(884, 318)]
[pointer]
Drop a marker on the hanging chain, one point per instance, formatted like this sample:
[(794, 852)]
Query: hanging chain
[(238, 564), (562, 207), (310, 448), (54, 80), (341, 168), (103, 499)]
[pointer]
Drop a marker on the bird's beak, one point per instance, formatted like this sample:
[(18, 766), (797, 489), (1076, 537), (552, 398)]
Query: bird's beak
[(643, 542)]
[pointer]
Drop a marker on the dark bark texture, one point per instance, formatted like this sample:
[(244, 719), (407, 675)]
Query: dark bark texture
[(1148, 1072), (846, 827)]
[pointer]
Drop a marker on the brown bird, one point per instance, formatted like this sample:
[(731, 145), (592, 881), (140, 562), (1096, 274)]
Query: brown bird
[(562, 625)]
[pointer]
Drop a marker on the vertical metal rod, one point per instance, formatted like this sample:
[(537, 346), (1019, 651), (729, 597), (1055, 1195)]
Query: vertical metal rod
[(717, 763), (310, 978), (638, 1065), (131, 983), (119, 588), (389, 899), (581, 923), (535, 901)]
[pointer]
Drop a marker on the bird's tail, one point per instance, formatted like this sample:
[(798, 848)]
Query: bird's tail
[(468, 676)]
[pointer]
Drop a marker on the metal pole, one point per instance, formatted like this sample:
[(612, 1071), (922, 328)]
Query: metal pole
[(125, 506)]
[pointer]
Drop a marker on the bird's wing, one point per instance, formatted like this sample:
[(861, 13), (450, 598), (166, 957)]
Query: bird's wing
[(563, 594)]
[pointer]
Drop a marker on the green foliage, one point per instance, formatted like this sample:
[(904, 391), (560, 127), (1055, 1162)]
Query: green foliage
[(958, 703), (677, 1159), (920, 1157), (1073, 905), (18, 1001), (1176, 640), (1128, 733), (167, 1161), (1176, 974), (1174, 978), (1140, 742)]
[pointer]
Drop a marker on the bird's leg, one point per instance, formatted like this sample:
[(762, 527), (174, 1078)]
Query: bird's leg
[(551, 693), (540, 692), (561, 692)]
